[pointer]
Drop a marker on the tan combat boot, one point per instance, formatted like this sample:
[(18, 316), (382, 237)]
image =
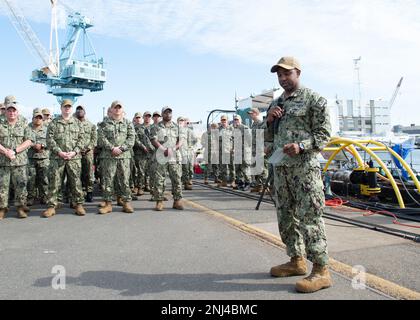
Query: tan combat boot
[(159, 206), (224, 184), (21, 213), (134, 190), (79, 210), (102, 204), (318, 279), (234, 185), (187, 187), (106, 209), (140, 192), (48, 213), (120, 201), (127, 207), (2, 213), (190, 183), (206, 181), (178, 205), (296, 267)]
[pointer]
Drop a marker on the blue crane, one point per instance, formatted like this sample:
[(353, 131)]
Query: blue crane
[(67, 71)]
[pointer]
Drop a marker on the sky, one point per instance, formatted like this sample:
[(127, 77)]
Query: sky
[(194, 55)]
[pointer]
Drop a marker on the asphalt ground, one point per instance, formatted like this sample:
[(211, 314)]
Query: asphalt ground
[(170, 255), (389, 257)]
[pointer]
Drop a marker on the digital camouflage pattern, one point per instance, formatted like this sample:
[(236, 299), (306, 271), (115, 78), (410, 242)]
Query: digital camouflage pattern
[(168, 136), (141, 156), (13, 173), (88, 174), (297, 180), (38, 165), (226, 165), (65, 136), (242, 149), (189, 140), (259, 179), (116, 133)]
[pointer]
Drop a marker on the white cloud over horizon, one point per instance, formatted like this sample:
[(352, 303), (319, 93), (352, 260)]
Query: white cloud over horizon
[(325, 35)]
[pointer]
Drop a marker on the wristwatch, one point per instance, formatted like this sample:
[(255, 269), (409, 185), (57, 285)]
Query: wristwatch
[(301, 148)]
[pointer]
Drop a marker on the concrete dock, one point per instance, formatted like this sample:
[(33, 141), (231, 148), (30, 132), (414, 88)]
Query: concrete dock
[(218, 248)]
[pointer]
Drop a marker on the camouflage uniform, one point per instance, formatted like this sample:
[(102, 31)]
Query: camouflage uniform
[(167, 136), (141, 157), (65, 136), (260, 178), (151, 162), (226, 166), (38, 165), (147, 163), (243, 155), (88, 175), (116, 133), (13, 173), (210, 158), (297, 180), (187, 154)]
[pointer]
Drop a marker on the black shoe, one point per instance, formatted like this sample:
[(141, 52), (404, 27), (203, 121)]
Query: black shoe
[(89, 197)]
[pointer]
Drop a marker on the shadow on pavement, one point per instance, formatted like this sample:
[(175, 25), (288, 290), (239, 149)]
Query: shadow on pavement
[(130, 284)]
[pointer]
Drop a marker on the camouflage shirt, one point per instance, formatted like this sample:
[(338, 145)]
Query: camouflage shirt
[(168, 136), (306, 121), (90, 134), (40, 137), (11, 137), (115, 133), (65, 136), (142, 140), (226, 139)]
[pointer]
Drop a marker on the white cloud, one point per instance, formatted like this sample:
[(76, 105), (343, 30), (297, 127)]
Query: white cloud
[(325, 34)]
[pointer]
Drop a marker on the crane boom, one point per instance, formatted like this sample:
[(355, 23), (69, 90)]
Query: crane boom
[(394, 96), (29, 37)]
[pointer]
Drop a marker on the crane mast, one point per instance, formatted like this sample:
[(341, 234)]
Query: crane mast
[(65, 75)]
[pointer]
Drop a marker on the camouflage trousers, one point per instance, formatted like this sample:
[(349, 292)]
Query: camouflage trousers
[(300, 204), (174, 170), (38, 179), (187, 172), (88, 173), (242, 172), (226, 170), (116, 172), (151, 171), (58, 170), (140, 177), (17, 178), (260, 179), (211, 169)]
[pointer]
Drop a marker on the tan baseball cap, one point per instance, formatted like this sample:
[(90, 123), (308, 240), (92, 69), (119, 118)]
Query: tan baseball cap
[(116, 103), (138, 115), (288, 63), (2, 106), (156, 113), (237, 116), (46, 111), (165, 109), (81, 107), (180, 119), (10, 100), (37, 112), (147, 113), (254, 110), (213, 126), (67, 102), (224, 117)]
